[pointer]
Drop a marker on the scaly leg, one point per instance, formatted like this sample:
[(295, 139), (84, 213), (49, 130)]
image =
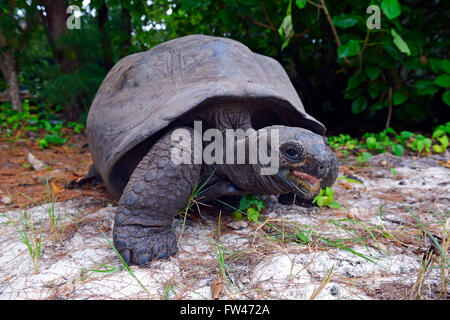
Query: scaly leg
[(155, 193)]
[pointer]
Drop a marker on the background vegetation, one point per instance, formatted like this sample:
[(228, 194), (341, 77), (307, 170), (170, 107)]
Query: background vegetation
[(353, 79)]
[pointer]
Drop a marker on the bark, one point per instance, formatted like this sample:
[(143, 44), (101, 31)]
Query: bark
[(126, 20), (102, 18), (8, 67), (55, 23), (64, 55)]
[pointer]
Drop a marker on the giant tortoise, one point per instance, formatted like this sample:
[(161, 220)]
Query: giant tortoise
[(145, 113)]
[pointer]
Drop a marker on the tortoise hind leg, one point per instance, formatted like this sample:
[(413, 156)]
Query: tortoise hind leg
[(92, 178), (155, 193)]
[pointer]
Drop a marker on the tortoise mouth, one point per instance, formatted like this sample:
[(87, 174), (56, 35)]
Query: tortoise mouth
[(302, 182)]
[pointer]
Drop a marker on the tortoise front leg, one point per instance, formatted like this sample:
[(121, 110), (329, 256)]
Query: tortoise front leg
[(155, 193)]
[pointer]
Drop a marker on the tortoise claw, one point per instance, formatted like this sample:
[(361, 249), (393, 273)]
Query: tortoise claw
[(140, 245)]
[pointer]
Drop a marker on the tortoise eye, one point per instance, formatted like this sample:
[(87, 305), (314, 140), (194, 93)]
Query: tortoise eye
[(291, 153)]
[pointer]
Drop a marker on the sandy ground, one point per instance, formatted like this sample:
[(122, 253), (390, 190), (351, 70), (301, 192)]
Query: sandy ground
[(371, 248)]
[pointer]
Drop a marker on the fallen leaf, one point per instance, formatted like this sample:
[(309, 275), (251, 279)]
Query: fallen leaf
[(75, 176), (216, 288), (351, 216), (445, 164), (345, 184), (354, 214), (56, 189)]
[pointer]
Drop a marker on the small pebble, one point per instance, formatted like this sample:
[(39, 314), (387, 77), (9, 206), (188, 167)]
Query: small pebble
[(238, 225), (6, 200), (35, 163)]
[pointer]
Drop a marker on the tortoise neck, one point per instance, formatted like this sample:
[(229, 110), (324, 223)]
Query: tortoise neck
[(232, 115)]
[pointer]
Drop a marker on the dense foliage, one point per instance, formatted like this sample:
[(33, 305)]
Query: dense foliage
[(352, 78)]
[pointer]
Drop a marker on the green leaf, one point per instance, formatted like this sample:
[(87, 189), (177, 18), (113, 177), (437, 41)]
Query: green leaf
[(47, 125), (42, 143), (390, 130), (345, 21), (288, 11), (225, 17), (329, 192), (398, 98), (398, 149), (438, 148), (401, 45), (237, 215), (286, 31), (445, 64), (435, 65), (355, 80), (26, 165), (54, 138), (371, 143), (425, 87), (446, 97), (443, 140), (391, 8), (321, 193), (302, 237), (366, 156), (334, 205), (352, 93), (323, 201), (406, 134), (437, 133), (245, 202), (194, 4), (443, 80), (377, 106), (253, 214), (374, 90), (350, 180), (372, 71), (349, 49), (300, 3), (359, 104)]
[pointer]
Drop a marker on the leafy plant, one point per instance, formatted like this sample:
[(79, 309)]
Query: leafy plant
[(421, 143), (364, 157), (28, 236), (326, 198), (389, 140), (37, 118), (251, 206), (440, 134)]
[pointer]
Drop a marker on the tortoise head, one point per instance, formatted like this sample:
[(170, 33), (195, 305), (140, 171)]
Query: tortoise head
[(306, 162)]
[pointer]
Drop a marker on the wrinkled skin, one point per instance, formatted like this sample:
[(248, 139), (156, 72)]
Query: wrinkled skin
[(158, 189)]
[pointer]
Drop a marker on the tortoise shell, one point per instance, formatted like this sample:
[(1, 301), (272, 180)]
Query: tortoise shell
[(146, 92)]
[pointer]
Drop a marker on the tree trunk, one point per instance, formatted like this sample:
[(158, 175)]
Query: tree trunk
[(55, 22), (8, 67), (126, 20), (64, 55), (102, 18)]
